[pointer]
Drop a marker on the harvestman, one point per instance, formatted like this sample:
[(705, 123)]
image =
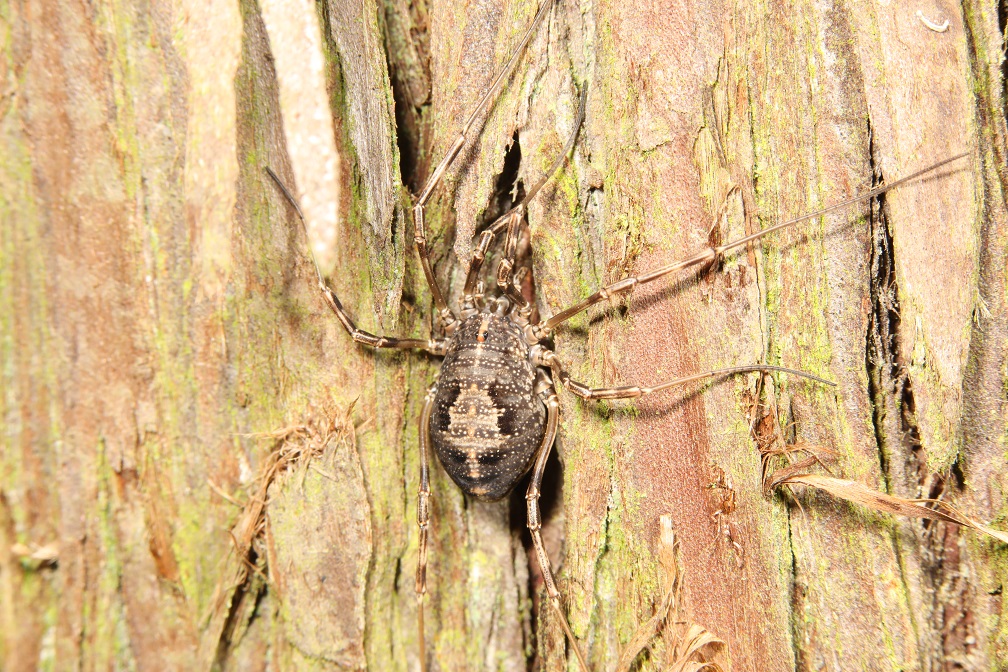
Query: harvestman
[(492, 414)]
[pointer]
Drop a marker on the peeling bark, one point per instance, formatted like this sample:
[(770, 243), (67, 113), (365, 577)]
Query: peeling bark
[(158, 317)]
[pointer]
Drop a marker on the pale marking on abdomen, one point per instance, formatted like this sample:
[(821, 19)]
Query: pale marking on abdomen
[(467, 420)]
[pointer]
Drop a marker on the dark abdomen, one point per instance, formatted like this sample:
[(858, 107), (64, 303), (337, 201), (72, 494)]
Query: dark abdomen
[(487, 421)]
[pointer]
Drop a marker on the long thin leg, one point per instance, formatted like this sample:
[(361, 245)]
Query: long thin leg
[(453, 151), (434, 346), (504, 280), (544, 328), (548, 358), (479, 255), (472, 278), (512, 220), (535, 522), (501, 222), (423, 518)]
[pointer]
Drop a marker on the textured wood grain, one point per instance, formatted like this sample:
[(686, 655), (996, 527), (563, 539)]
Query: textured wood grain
[(158, 315)]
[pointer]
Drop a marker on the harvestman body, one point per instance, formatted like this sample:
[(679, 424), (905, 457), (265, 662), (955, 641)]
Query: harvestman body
[(492, 414)]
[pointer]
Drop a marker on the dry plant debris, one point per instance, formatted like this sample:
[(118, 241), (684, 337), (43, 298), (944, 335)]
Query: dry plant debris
[(689, 647), (36, 556), (799, 457), (852, 491), (294, 446)]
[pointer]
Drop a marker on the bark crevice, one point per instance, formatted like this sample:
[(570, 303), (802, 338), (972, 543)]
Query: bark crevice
[(407, 54), (889, 386), (946, 634)]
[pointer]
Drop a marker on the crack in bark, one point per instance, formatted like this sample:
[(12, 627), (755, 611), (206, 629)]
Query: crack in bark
[(801, 657), (1002, 14), (241, 613), (407, 55), (889, 385), (903, 460)]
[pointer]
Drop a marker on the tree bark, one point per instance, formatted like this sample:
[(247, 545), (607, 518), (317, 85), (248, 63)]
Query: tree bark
[(201, 470)]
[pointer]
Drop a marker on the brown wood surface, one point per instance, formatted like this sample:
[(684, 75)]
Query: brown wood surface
[(158, 318)]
